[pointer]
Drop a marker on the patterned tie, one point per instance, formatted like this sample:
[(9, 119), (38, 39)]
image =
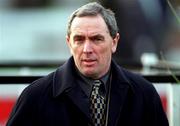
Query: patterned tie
[(97, 107)]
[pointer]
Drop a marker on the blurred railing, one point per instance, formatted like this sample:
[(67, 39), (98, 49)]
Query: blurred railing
[(29, 79)]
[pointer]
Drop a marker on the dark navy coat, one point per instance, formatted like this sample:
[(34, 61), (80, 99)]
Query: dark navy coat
[(57, 100)]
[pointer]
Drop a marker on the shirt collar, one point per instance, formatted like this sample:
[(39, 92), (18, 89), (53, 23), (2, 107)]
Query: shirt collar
[(87, 83)]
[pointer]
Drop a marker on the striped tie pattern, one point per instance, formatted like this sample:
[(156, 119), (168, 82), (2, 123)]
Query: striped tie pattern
[(97, 107)]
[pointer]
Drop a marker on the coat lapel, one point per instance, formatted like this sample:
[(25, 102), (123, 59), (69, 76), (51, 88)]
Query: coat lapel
[(117, 99), (64, 81), (118, 94), (80, 100)]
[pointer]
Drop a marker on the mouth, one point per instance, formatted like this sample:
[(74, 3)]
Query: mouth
[(88, 62)]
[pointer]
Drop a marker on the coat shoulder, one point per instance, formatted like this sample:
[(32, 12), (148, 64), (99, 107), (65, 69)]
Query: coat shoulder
[(138, 81), (36, 89)]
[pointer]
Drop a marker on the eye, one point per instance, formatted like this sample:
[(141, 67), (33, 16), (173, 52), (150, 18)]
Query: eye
[(78, 39), (97, 39)]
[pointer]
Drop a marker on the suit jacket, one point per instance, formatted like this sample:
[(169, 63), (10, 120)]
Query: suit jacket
[(57, 100)]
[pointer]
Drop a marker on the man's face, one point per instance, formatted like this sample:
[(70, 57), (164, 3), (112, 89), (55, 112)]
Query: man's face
[(91, 45)]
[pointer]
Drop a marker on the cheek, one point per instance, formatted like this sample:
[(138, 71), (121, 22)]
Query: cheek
[(105, 53), (76, 52)]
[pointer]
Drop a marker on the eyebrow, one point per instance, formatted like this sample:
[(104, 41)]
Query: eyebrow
[(90, 37), (97, 36), (78, 36)]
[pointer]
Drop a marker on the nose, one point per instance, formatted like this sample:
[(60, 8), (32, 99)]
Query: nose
[(87, 47)]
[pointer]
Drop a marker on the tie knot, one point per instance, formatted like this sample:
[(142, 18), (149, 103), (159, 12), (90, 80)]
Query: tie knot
[(97, 83)]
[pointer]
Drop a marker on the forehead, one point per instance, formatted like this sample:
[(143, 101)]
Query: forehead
[(89, 24)]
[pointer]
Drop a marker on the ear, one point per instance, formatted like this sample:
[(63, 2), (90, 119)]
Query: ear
[(67, 40), (115, 42), (68, 43)]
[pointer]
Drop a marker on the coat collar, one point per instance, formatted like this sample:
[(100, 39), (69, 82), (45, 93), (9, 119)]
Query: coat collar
[(64, 81), (120, 75), (64, 77), (120, 86)]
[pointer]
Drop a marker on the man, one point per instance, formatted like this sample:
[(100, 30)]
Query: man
[(90, 89)]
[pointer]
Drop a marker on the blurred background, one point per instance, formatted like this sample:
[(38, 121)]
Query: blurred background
[(32, 43)]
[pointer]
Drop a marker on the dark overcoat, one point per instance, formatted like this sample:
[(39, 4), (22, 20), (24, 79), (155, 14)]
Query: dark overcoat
[(57, 100)]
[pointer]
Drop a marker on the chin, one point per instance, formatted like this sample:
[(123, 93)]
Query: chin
[(89, 74)]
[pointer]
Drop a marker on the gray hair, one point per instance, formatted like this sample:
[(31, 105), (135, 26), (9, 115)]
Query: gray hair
[(94, 9)]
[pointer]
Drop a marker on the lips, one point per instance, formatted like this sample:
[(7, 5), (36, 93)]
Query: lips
[(88, 62)]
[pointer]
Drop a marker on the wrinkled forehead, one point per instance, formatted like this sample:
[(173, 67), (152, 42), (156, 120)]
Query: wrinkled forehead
[(90, 24)]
